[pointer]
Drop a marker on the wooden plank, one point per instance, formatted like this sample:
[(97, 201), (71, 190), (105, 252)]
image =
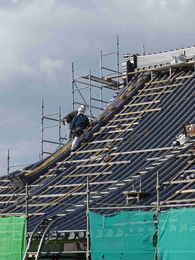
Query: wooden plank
[(58, 195), (104, 164), (110, 126), (48, 175), (106, 141), (82, 184), (129, 152), (120, 131), (87, 174), (139, 112), (118, 126), (11, 194), (178, 182), (114, 131), (185, 191), (162, 87), (130, 124), (7, 202), (125, 119), (83, 160), (153, 158), (185, 77), (144, 151), (143, 103), (157, 82), (12, 214), (91, 151), (191, 170), (156, 93), (175, 201)]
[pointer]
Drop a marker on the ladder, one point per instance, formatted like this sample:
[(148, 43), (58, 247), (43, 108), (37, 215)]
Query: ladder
[(43, 227)]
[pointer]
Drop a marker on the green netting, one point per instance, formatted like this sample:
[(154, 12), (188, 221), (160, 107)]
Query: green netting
[(177, 234), (126, 235), (12, 238)]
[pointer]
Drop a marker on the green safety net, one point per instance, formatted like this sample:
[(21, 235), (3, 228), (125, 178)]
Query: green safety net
[(177, 234), (12, 238), (126, 235)]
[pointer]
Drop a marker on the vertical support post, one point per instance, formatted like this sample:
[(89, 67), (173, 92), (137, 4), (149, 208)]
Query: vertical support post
[(118, 59), (126, 74), (42, 127), (73, 87), (157, 211), (26, 198), (101, 75), (90, 96), (8, 162), (170, 72), (157, 193), (151, 76), (87, 216), (60, 125), (140, 183)]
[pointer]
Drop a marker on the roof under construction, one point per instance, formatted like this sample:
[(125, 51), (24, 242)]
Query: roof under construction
[(137, 156)]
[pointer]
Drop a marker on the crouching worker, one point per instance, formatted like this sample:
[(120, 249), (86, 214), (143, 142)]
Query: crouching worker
[(78, 127)]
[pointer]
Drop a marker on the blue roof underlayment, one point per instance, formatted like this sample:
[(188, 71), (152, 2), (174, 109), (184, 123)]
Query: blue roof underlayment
[(127, 147)]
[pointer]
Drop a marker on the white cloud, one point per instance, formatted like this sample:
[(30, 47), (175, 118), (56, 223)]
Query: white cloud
[(40, 39), (51, 66)]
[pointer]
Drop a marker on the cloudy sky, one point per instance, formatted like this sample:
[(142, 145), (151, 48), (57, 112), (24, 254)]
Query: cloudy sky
[(40, 38)]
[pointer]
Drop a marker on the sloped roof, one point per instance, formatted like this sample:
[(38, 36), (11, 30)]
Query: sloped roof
[(129, 143)]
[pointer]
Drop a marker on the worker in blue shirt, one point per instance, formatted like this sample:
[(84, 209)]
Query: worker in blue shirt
[(78, 127)]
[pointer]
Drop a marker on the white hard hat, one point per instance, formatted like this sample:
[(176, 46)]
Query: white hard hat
[(81, 109)]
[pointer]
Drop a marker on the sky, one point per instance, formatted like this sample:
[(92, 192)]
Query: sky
[(39, 39)]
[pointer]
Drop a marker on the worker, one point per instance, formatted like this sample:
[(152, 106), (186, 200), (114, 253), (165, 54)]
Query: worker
[(68, 120), (78, 127)]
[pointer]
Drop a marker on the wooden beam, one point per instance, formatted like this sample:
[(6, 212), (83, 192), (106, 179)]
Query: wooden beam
[(125, 119), (185, 77), (104, 164), (162, 87), (87, 174), (113, 131), (153, 158), (4, 187), (11, 195), (185, 191), (156, 93), (178, 182), (58, 195), (174, 201), (130, 124), (7, 202), (157, 82), (144, 150), (143, 103), (47, 175), (82, 184), (92, 151), (139, 112), (106, 141)]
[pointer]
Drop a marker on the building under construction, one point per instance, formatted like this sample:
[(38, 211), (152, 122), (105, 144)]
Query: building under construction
[(128, 192)]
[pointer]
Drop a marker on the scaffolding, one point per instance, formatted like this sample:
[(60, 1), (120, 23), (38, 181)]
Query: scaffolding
[(56, 118), (96, 92)]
